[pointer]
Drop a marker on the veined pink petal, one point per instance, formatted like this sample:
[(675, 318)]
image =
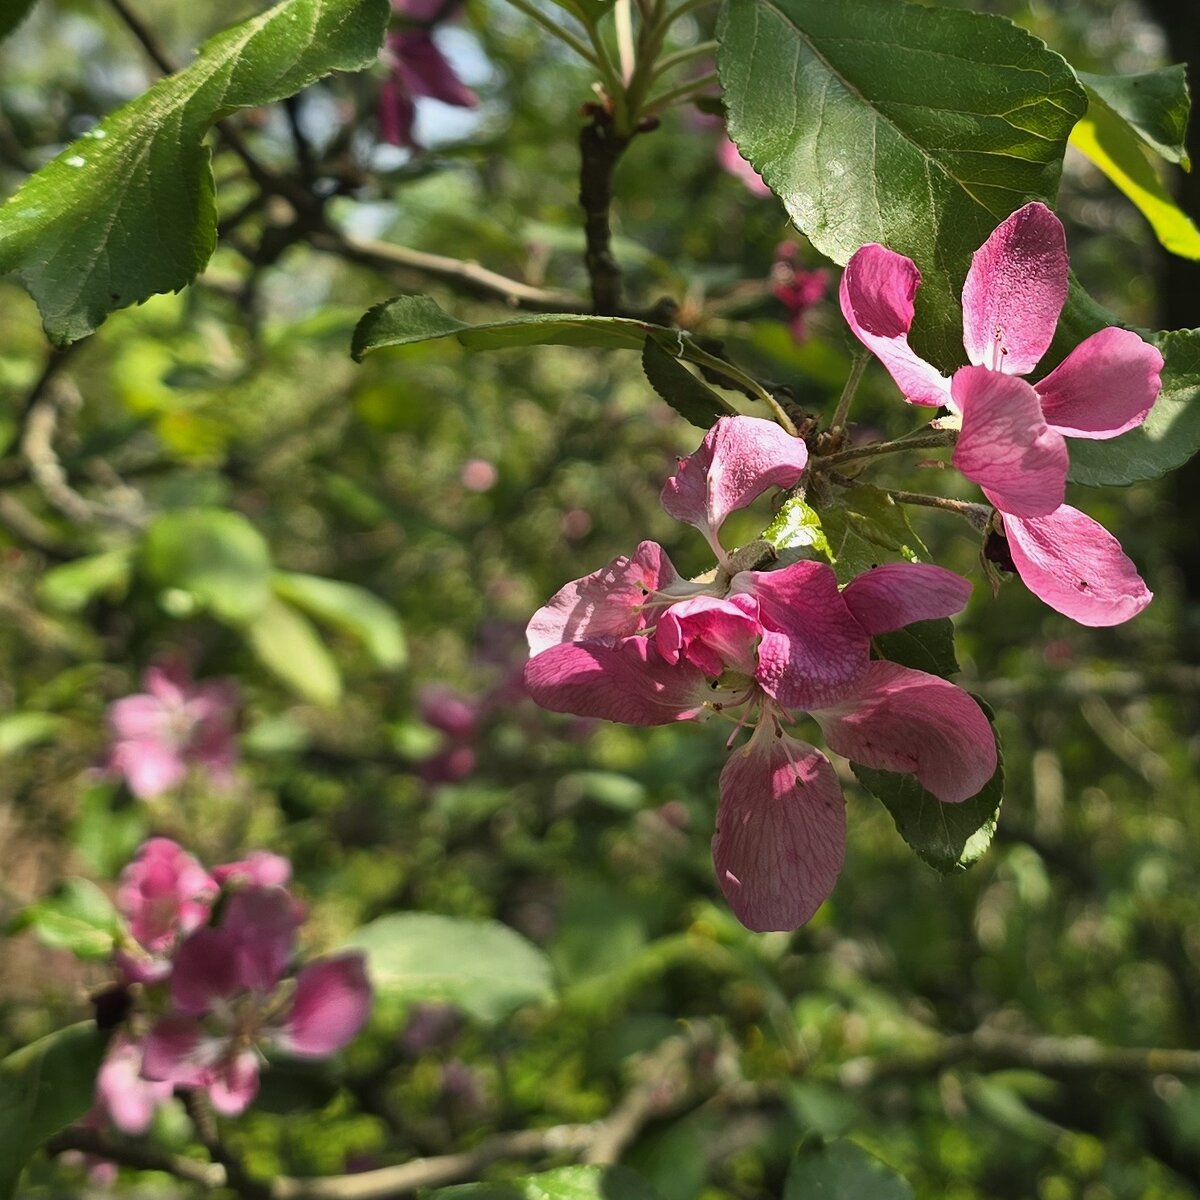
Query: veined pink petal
[(261, 924), (893, 595), (739, 459), (1006, 446), (629, 682), (234, 1083), (916, 724), (1105, 386), (1076, 566), (876, 293), (811, 646), (711, 634), (1015, 291), (781, 832), (177, 1051), (607, 604), (206, 971), (332, 1003)]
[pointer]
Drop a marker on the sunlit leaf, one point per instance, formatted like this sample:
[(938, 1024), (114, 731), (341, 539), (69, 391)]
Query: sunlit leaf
[(286, 643), (351, 608)]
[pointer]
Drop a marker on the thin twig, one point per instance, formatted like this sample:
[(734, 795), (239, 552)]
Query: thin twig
[(136, 1154), (564, 35), (932, 439), (208, 1132), (600, 149), (685, 91), (847, 396)]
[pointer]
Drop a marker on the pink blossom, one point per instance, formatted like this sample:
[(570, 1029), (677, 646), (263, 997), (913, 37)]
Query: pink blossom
[(176, 724), (634, 643), (260, 868), (1012, 436), (730, 158), (226, 1000), (796, 289), (123, 1096)]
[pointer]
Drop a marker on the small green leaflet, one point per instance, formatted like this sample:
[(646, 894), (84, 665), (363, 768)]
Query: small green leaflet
[(915, 126), (1155, 104), (129, 210), (842, 1170), (79, 917), (797, 526)]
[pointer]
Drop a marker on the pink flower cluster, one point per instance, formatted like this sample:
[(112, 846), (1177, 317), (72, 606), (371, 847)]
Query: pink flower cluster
[(174, 725), (797, 289), (636, 643), (416, 67), (1012, 438), (214, 951)]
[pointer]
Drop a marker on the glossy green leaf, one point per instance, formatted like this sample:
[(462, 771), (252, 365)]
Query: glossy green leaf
[(1154, 103), (842, 1170), (79, 917), (73, 585), (567, 1183), (12, 13), (485, 968), (1113, 145), (286, 643), (690, 397), (949, 837), (44, 1087), (1169, 436), (917, 127), (797, 526), (868, 527), (20, 730), (350, 608), (925, 646), (214, 556), (129, 210), (406, 320)]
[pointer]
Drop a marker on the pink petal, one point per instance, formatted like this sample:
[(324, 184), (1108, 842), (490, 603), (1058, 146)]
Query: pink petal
[(424, 71), (332, 1003), (1015, 291), (812, 646), (629, 682), (781, 832), (168, 680), (206, 971), (897, 594), (731, 160), (138, 716), (164, 893), (916, 724), (1077, 567), (605, 604), (129, 1100), (261, 924), (739, 459), (260, 868), (711, 634), (876, 293), (177, 1051), (1006, 446), (1105, 386), (150, 767), (234, 1084)]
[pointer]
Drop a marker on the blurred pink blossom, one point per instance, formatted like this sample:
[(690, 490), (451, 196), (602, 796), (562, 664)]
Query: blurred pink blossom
[(729, 158), (796, 289)]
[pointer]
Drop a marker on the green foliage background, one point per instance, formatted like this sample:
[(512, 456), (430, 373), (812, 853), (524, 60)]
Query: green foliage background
[(591, 841)]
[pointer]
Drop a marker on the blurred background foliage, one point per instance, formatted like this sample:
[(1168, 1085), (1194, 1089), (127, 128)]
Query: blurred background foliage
[(461, 491)]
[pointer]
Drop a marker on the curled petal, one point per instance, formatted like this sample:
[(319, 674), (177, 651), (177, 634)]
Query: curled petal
[(629, 682), (1105, 386), (1015, 291), (1076, 566), (332, 1003), (739, 459), (424, 71), (897, 594), (811, 645), (876, 293), (1006, 446), (607, 604), (711, 634), (903, 720), (781, 832)]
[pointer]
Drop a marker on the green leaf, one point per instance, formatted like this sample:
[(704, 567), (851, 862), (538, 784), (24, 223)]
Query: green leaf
[(79, 917), (1113, 145), (917, 127), (925, 646), (1169, 436), (567, 1183), (690, 397), (72, 586), (350, 608), (949, 837), (43, 1088), (797, 526), (286, 643), (215, 556), (867, 521), (410, 319), (1155, 104), (129, 209), (12, 13), (20, 730), (485, 968), (842, 1170)]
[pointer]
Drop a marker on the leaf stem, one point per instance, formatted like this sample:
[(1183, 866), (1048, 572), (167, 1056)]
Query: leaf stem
[(924, 439), (847, 396), (702, 358), (670, 61), (685, 91), (552, 27)]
